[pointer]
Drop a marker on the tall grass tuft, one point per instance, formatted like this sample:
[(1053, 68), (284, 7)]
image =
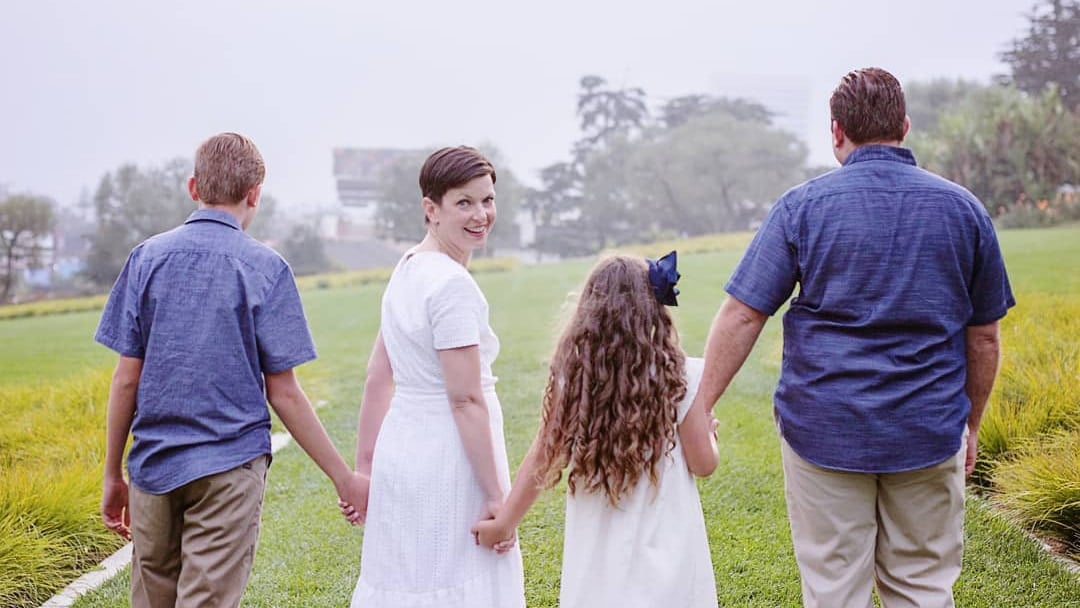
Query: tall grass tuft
[(51, 450), (1041, 486), (1038, 389)]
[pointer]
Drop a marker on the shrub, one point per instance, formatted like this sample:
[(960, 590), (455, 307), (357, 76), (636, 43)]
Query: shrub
[(1041, 486)]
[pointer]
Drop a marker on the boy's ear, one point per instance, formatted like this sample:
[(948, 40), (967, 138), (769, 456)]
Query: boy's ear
[(192, 190), (253, 196)]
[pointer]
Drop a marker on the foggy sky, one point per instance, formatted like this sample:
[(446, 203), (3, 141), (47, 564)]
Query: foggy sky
[(87, 86)]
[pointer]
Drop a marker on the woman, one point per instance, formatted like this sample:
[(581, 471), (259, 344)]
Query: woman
[(430, 431)]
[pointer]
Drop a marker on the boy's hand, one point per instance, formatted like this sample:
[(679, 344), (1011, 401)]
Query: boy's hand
[(114, 507), (493, 535), (353, 498)]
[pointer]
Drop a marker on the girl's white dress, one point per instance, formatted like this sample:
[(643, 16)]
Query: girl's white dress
[(418, 550), (649, 552)]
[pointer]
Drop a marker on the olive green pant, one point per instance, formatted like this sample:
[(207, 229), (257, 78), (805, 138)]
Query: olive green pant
[(193, 546)]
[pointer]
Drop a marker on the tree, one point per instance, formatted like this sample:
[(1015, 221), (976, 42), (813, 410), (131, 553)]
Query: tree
[(1049, 53), (24, 221), (714, 173), (1006, 146), (927, 101), (678, 111), (130, 205), (603, 111), (398, 213), (304, 250)]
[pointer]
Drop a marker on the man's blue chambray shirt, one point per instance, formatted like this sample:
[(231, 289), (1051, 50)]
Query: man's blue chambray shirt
[(209, 310), (892, 264)]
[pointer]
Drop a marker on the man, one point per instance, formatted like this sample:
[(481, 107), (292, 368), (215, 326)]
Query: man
[(209, 326), (890, 351)]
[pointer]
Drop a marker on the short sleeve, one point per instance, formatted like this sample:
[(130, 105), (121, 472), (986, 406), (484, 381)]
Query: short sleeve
[(766, 275), (119, 327), (990, 292), (455, 311), (281, 329), (695, 367)]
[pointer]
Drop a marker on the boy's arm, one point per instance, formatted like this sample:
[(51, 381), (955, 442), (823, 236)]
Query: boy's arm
[(121, 411), (378, 391), (292, 406), (497, 531)]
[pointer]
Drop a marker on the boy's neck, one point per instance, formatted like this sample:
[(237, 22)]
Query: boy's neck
[(237, 210)]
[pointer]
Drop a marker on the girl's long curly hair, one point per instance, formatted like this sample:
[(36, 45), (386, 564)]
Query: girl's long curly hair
[(616, 379)]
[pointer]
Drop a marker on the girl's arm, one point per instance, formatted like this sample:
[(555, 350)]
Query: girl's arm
[(461, 372), (501, 529), (697, 433)]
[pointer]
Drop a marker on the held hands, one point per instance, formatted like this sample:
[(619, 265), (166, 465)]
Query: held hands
[(114, 507), (972, 453), (353, 498), (491, 532)]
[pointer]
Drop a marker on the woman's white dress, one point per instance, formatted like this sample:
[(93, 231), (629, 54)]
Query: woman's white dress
[(418, 550), (649, 552)]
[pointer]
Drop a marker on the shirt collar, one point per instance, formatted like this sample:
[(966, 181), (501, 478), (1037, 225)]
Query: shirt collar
[(880, 152), (214, 215)]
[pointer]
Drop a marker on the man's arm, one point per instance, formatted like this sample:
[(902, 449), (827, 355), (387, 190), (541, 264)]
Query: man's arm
[(734, 331), (292, 406), (121, 411), (983, 359)]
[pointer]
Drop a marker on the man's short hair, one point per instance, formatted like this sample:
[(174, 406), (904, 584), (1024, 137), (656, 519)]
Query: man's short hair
[(869, 106), (448, 168), (227, 167)]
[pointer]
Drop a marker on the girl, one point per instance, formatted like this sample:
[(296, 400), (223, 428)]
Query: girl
[(617, 418)]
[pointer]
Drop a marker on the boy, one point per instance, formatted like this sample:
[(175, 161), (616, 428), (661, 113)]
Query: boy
[(209, 326)]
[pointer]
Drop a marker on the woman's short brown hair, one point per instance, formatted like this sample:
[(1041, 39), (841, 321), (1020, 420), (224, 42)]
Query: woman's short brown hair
[(451, 167), (227, 167), (869, 106)]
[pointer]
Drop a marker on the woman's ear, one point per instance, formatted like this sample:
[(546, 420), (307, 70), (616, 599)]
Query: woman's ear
[(431, 210)]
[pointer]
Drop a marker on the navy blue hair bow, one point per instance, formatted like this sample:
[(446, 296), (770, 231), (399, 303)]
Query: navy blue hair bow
[(663, 275)]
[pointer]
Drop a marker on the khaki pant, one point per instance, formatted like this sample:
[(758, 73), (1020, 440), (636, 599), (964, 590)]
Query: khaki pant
[(194, 546), (904, 530)]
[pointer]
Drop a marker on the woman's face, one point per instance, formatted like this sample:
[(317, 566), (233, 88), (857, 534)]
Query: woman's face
[(466, 215)]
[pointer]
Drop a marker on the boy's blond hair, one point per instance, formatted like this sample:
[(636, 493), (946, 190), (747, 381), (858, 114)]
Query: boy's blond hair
[(227, 167)]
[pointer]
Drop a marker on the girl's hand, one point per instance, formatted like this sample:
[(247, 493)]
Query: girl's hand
[(491, 534)]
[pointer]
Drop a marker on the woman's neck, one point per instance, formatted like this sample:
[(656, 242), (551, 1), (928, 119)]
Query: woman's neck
[(432, 242)]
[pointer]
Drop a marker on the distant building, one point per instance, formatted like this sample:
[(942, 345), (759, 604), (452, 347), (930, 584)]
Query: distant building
[(357, 171)]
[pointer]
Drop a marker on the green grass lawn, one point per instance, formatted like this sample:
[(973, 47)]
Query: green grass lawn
[(308, 556)]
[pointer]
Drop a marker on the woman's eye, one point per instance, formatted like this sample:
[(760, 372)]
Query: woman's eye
[(463, 203)]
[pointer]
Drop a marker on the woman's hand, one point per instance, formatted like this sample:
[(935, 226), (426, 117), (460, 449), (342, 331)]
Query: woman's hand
[(494, 535)]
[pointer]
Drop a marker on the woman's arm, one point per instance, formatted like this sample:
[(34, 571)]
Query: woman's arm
[(378, 392), (461, 370), (492, 532)]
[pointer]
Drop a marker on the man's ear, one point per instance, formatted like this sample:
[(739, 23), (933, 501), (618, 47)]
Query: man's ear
[(907, 126), (253, 196), (192, 190), (838, 135)]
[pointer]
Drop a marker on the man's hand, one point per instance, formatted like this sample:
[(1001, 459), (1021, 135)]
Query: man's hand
[(972, 453), (114, 507)]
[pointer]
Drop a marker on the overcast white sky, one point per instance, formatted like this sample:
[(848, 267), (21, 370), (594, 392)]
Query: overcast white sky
[(87, 86)]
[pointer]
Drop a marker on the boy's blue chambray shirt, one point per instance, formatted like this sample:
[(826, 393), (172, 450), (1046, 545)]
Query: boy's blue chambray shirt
[(892, 264), (209, 310)]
